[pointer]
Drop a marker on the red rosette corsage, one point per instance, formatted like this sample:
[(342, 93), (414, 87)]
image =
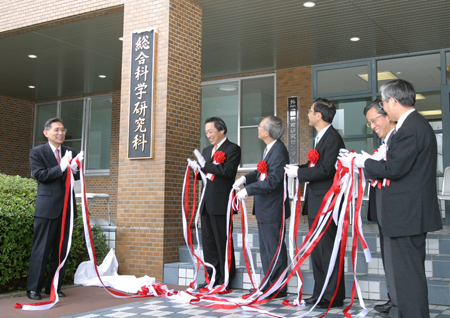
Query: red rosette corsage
[(313, 156), (219, 157), (262, 166)]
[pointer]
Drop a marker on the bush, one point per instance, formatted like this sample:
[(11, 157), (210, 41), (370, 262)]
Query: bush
[(17, 199)]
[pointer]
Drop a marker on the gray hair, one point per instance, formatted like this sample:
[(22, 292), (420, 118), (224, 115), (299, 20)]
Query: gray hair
[(401, 90), (274, 126)]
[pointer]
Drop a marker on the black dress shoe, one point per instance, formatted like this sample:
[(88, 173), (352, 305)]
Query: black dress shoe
[(324, 304), (311, 300), (33, 295), (384, 308), (60, 293), (280, 295)]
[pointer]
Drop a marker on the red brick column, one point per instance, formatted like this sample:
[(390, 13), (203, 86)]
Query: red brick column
[(149, 191)]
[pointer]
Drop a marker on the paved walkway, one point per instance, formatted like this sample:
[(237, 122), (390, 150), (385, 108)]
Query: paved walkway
[(90, 302)]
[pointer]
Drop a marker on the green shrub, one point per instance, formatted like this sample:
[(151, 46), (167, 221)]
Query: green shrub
[(17, 199)]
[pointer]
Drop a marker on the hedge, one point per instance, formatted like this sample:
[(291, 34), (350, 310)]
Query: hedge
[(17, 200)]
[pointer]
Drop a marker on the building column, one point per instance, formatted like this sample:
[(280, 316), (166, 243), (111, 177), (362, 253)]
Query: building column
[(149, 227)]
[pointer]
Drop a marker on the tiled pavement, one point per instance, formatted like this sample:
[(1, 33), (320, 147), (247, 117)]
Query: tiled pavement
[(163, 307)]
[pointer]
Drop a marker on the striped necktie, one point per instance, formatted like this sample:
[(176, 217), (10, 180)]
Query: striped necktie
[(58, 158)]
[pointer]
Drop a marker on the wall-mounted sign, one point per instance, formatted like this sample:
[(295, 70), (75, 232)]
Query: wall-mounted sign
[(140, 123), (292, 119)]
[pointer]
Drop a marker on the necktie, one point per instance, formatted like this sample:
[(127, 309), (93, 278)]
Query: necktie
[(58, 159), (213, 151), (265, 153), (316, 141)]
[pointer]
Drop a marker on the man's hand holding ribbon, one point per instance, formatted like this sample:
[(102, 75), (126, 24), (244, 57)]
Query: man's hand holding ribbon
[(291, 170), (237, 184), (73, 162), (65, 161), (201, 160), (242, 194)]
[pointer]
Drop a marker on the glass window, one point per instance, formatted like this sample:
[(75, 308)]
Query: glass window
[(242, 104), (257, 100), (350, 122), (99, 134), (88, 128), (253, 146), (72, 115), (341, 80), (221, 100), (422, 71), (447, 58), (429, 105), (42, 114)]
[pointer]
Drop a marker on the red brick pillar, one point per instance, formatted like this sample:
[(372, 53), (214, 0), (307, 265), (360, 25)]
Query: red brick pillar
[(149, 228)]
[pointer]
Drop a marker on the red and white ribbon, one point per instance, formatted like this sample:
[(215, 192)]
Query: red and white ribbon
[(68, 197)]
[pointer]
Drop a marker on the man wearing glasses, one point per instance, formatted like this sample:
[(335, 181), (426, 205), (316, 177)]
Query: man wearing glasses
[(409, 206), (381, 124), (320, 176), (49, 163)]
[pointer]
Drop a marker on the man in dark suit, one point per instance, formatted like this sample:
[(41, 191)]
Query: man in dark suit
[(409, 205), (268, 191), (48, 166), (219, 162), (320, 177), (381, 124)]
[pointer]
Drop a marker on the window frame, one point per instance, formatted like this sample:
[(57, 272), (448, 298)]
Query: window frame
[(239, 80), (86, 118)]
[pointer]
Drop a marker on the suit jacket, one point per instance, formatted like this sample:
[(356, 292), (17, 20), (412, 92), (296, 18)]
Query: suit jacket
[(268, 200), (320, 176), (409, 204), (217, 191), (50, 178)]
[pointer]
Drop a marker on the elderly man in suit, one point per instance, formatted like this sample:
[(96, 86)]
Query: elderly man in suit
[(220, 162), (409, 206), (320, 177), (267, 187), (382, 125), (48, 166)]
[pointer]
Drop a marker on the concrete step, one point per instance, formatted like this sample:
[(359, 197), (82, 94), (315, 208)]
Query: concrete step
[(370, 275), (437, 262), (373, 286)]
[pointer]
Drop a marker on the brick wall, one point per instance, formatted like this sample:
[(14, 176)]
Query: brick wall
[(149, 191), (296, 82), (16, 133)]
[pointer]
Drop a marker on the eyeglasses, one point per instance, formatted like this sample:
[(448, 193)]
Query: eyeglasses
[(373, 120), (59, 130), (381, 105)]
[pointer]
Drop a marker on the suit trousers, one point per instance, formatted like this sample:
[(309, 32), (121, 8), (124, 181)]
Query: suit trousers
[(214, 242), (47, 233), (320, 261), (269, 237), (405, 270), (379, 194)]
